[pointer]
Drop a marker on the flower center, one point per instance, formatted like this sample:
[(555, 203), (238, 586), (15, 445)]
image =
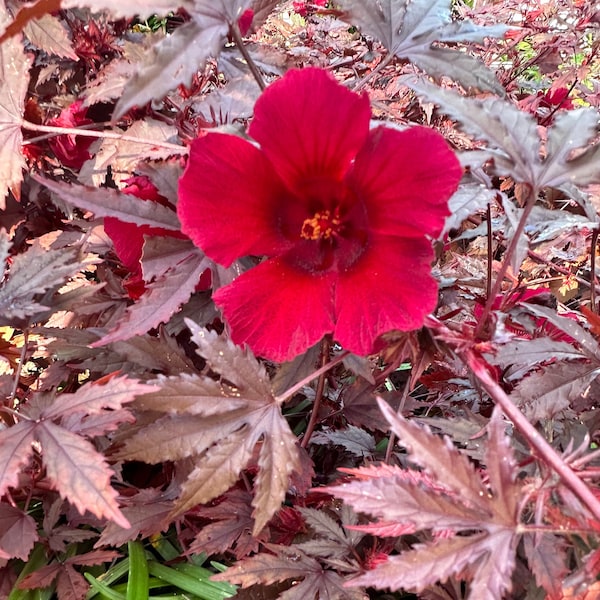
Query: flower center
[(322, 225)]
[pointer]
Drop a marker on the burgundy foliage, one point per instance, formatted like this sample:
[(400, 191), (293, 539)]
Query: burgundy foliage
[(306, 288)]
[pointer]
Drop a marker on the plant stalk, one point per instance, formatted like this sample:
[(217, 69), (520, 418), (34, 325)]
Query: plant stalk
[(542, 448), (314, 414), (531, 199)]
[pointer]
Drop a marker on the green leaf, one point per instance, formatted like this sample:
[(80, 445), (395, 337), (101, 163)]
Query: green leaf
[(207, 590), (137, 584)]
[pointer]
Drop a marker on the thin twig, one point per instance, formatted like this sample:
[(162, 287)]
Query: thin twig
[(239, 42), (593, 306), (531, 199), (384, 63), (18, 369), (490, 252), (298, 386), (314, 415), (109, 135)]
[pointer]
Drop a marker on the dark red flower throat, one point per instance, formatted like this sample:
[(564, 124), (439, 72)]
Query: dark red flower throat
[(327, 226)]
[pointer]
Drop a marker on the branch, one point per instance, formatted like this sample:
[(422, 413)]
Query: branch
[(543, 449)]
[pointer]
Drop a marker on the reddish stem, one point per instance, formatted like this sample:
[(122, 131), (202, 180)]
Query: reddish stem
[(314, 415), (542, 448), (531, 199)]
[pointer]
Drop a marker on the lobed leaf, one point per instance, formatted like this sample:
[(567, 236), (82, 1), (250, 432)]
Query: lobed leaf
[(231, 525), (32, 273), (104, 202), (513, 140), (489, 555), (547, 557), (18, 532), (394, 495), (78, 472), (569, 326), (501, 467), (311, 579), (235, 364), (219, 426), (409, 30), (438, 457), (15, 453), (49, 34), (14, 81), (174, 60), (93, 398), (511, 134), (547, 393), (161, 300), (572, 129)]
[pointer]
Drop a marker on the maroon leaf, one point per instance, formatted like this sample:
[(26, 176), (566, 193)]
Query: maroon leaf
[(147, 513), (550, 391), (491, 556), (78, 472), (231, 527), (438, 457), (178, 57), (18, 532), (42, 577), (147, 139), (32, 273), (162, 298), (49, 34), (93, 398), (547, 558), (14, 79), (219, 425), (409, 29), (15, 452), (71, 585), (290, 563), (104, 202), (514, 141)]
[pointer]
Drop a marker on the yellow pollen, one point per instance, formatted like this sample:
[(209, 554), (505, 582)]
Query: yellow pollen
[(322, 226)]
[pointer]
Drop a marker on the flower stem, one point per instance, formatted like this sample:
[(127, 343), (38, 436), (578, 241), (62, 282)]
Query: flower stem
[(109, 135), (19, 368), (541, 447), (490, 252), (239, 42), (594, 244), (529, 204), (314, 415), (384, 63), (298, 386)]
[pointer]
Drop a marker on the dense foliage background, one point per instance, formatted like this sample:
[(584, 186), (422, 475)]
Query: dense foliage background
[(143, 454)]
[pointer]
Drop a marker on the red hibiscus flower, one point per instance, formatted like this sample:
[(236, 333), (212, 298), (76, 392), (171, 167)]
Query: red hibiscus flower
[(342, 212), (70, 149)]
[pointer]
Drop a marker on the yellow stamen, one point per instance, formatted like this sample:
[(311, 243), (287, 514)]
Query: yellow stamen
[(322, 226)]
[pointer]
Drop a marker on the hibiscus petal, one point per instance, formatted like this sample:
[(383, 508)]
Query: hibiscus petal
[(228, 199), (277, 310), (310, 126), (405, 179), (128, 241), (391, 287)]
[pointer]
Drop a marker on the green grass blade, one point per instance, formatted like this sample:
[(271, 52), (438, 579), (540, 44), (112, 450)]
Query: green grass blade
[(137, 584), (202, 588), (103, 590)]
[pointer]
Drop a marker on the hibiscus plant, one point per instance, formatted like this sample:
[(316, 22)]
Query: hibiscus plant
[(299, 299)]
